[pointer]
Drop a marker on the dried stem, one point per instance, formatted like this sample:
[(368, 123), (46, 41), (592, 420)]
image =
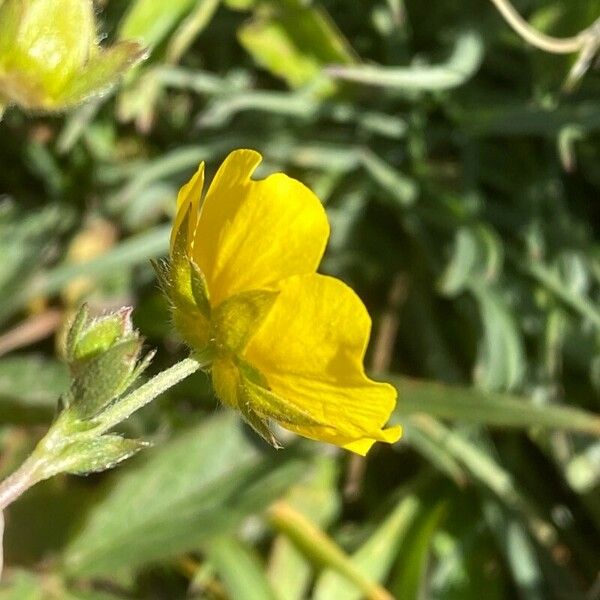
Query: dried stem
[(382, 357), (586, 38)]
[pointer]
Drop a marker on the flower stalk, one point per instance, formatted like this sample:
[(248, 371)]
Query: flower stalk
[(51, 455)]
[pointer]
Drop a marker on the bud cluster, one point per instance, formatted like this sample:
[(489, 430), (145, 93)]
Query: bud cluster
[(105, 358)]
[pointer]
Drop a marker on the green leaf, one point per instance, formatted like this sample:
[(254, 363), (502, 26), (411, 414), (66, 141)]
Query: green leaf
[(433, 451), (289, 571), (409, 581), (94, 455), (294, 41), (322, 550), (483, 468), (150, 22), (30, 386), (24, 236), (191, 27), (21, 585), (501, 357), (101, 72), (400, 187), (462, 64), (199, 485), (470, 405), (518, 550), (133, 251), (240, 569), (477, 257), (376, 556)]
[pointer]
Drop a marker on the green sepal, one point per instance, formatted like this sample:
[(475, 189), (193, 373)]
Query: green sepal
[(68, 65), (199, 289), (161, 269), (268, 405), (75, 332), (100, 334), (236, 319), (93, 455), (258, 423), (180, 270), (101, 72), (259, 405), (104, 378), (184, 285)]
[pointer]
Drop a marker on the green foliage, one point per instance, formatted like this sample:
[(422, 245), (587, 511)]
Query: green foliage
[(199, 485), (460, 178)]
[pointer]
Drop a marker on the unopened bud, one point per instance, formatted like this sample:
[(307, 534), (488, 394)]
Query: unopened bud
[(50, 58)]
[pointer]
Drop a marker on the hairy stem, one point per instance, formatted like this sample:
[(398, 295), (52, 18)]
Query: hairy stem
[(146, 393), (39, 464), (20, 481)]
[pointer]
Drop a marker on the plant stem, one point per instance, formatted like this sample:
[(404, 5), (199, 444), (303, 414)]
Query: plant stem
[(20, 481), (146, 393), (541, 40), (38, 465)]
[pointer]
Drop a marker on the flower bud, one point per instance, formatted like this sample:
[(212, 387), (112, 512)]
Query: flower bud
[(50, 58), (104, 357)]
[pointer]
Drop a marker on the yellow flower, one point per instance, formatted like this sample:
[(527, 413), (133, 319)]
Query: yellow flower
[(286, 344)]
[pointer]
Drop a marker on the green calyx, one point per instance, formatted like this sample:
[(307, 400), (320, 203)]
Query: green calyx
[(104, 355), (50, 58), (219, 335), (223, 330)]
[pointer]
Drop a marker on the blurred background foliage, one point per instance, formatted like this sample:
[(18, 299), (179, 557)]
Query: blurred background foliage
[(462, 184)]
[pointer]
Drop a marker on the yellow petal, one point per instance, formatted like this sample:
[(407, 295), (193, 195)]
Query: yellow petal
[(250, 234), (310, 348), (188, 197)]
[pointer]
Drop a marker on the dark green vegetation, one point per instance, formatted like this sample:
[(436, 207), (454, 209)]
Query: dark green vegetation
[(463, 194)]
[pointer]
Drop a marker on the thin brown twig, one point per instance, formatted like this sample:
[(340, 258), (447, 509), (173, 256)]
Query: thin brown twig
[(382, 357), (32, 330)]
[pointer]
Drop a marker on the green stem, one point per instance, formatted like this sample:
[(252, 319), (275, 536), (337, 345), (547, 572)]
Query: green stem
[(20, 481), (39, 464), (146, 393)]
